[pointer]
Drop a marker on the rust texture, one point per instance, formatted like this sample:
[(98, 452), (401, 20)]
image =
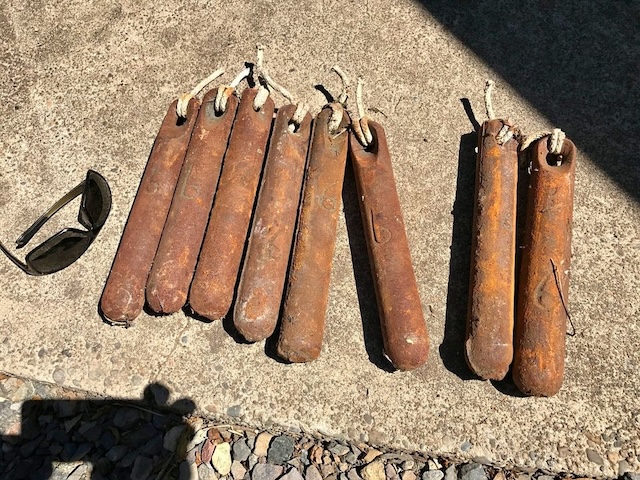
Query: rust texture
[(215, 278), (404, 332), (263, 273), (489, 335), (543, 291), (303, 317), (175, 261), (123, 296)]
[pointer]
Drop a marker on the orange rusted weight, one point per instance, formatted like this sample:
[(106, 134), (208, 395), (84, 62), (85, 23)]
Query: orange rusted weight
[(404, 332), (265, 267), (211, 292), (123, 296), (489, 336), (303, 317), (175, 261), (543, 291)]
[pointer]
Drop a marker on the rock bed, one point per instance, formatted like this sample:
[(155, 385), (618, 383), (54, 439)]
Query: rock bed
[(50, 432)]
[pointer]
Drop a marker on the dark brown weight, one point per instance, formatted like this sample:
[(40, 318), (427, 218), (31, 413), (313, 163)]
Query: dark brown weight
[(123, 296), (263, 274), (404, 332), (213, 284), (543, 292), (175, 261), (303, 318), (489, 335)]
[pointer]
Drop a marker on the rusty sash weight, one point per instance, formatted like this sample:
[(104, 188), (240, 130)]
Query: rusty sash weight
[(124, 292), (215, 278), (489, 333), (262, 280), (543, 293), (303, 316), (404, 332), (175, 260)]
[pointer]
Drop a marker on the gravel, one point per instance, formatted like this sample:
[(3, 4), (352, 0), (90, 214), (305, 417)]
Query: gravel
[(72, 436)]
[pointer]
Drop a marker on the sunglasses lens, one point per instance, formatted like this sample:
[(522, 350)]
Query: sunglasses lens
[(96, 202), (59, 251)]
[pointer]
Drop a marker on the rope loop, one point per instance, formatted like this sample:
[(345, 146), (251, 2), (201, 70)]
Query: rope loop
[(359, 119), (270, 84), (183, 100), (225, 91)]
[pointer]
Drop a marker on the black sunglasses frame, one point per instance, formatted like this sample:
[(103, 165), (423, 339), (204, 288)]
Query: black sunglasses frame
[(69, 242)]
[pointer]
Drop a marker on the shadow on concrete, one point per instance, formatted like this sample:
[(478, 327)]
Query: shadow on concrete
[(117, 437), (362, 273), (452, 347), (577, 63)]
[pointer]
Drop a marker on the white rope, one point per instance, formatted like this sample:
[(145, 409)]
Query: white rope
[(342, 98), (301, 109), (260, 98), (298, 116), (337, 108), (555, 143), (504, 135), (225, 91), (359, 119), (335, 119), (183, 100), (488, 100)]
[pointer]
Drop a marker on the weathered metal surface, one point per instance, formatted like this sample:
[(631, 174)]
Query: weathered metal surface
[(489, 335), (175, 260), (215, 278), (543, 291), (123, 296), (263, 274), (303, 318), (404, 332)]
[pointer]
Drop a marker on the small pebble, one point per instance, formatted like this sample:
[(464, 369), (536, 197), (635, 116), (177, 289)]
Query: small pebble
[(408, 475), (241, 450), (293, 474), (353, 475), (390, 471), (172, 437), (373, 471), (472, 471), (205, 472), (262, 444), (451, 473), (266, 471), (221, 459), (207, 451), (280, 450), (312, 473), (433, 475), (371, 455), (237, 470), (338, 449), (116, 453), (142, 467), (327, 470)]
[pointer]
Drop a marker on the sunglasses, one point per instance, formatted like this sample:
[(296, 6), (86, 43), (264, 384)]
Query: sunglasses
[(68, 245)]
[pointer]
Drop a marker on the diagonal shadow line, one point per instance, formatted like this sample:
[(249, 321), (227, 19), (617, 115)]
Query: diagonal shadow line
[(577, 63)]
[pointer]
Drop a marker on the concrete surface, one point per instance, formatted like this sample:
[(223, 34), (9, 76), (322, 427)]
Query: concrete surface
[(86, 84)]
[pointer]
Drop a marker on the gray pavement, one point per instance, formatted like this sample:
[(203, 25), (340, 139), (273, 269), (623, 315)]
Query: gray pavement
[(86, 85)]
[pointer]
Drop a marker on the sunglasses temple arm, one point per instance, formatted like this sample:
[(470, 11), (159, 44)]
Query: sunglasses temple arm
[(37, 225), (18, 263)]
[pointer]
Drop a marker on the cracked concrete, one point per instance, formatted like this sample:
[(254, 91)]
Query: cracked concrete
[(86, 84)]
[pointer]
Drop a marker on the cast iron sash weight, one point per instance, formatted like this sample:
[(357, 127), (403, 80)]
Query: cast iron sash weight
[(404, 332)]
